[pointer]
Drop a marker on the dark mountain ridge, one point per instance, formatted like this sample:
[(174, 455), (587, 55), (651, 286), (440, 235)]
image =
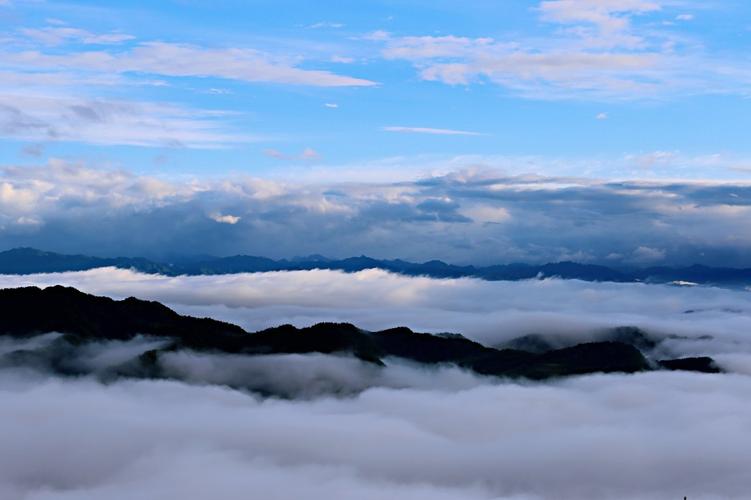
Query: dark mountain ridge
[(29, 261), (84, 318)]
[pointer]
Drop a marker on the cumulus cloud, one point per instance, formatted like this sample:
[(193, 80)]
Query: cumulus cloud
[(545, 218), (226, 218), (648, 254)]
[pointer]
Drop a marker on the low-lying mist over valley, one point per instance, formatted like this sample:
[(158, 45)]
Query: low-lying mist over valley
[(490, 312), (326, 411)]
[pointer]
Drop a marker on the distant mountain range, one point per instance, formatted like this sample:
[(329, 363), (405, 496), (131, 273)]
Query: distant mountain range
[(30, 260), (85, 323)]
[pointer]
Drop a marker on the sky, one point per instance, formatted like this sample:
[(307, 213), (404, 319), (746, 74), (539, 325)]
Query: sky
[(592, 130)]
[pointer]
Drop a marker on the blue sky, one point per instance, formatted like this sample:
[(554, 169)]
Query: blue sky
[(300, 97), (685, 91)]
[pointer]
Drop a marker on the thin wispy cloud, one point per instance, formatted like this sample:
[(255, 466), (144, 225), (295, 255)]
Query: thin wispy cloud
[(56, 35), (37, 117), (326, 24), (185, 60), (67, 66), (601, 52), (429, 130), (307, 154)]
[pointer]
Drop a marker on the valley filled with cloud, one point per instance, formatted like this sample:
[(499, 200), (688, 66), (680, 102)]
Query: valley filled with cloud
[(348, 428)]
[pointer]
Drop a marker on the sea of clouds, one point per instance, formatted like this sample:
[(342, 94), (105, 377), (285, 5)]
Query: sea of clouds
[(402, 431), (647, 436), (490, 312)]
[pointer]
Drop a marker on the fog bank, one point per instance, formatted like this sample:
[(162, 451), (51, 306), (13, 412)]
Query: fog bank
[(711, 321), (649, 436)]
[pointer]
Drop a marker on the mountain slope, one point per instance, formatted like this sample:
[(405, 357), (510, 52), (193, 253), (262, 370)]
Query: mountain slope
[(83, 318)]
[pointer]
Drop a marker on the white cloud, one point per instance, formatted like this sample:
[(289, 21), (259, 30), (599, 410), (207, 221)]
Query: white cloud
[(342, 59), (684, 17), (487, 311), (675, 434), (428, 130), (183, 60), (598, 52), (601, 116), (307, 154), (40, 117), (36, 191), (340, 212), (610, 16), (45, 93), (487, 213), (331, 105), (460, 61), (226, 218), (401, 431), (326, 24), (647, 254), (60, 34), (310, 154), (654, 159), (377, 35)]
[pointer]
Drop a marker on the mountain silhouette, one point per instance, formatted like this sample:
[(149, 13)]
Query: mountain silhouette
[(82, 318), (30, 260)]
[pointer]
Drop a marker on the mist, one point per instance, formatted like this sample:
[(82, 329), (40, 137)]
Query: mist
[(691, 321), (646, 436), (331, 426)]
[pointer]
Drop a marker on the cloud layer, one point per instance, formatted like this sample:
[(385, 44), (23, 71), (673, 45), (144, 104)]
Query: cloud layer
[(652, 436), (401, 431), (694, 320), (475, 216)]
